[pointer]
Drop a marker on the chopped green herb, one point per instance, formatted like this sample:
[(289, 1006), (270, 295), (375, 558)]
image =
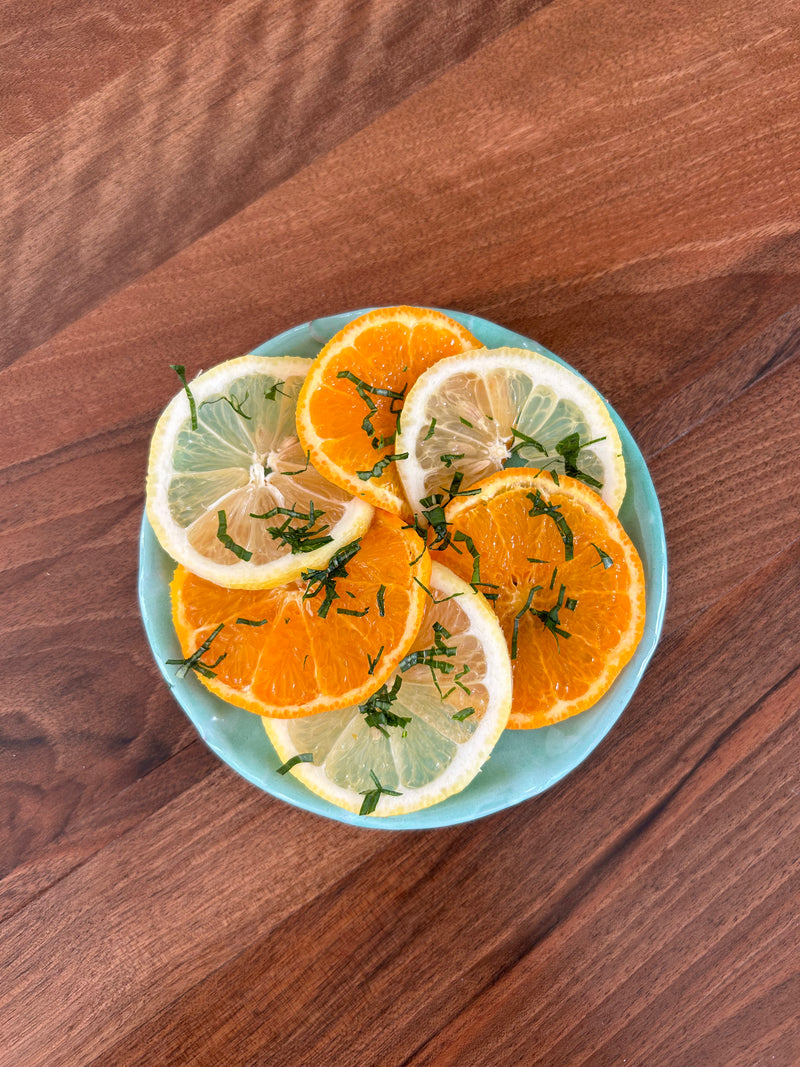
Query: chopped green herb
[(180, 370), (455, 486), (554, 476), (380, 466), (523, 440), (193, 662), (515, 629), (252, 622), (350, 611), (441, 600), (225, 538), (449, 458), (373, 663), (364, 389), (476, 558), (381, 605), (234, 402), (325, 578), (553, 578), (550, 618), (464, 670), (274, 390), (301, 757), (533, 559), (463, 714), (377, 709), (431, 428), (570, 603), (569, 447), (605, 559), (372, 796), (290, 474), (464, 422), (304, 538), (541, 507)]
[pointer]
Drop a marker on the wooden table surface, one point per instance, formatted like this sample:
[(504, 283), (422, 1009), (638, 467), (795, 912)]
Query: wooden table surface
[(181, 181)]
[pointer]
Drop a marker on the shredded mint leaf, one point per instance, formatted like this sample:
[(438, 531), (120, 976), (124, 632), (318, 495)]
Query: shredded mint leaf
[(431, 428), (225, 538), (441, 600), (251, 622), (274, 390), (301, 757), (541, 507), (380, 467), (449, 458), (522, 440), (377, 709), (307, 537), (180, 370), (373, 663), (569, 447), (381, 604), (350, 611), (605, 559), (193, 662), (236, 405), (326, 577), (463, 714), (372, 796)]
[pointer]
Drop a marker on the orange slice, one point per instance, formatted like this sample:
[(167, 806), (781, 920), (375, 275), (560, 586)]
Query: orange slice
[(568, 583), (348, 406), (284, 652)]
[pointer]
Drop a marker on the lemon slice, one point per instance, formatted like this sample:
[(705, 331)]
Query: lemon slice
[(226, 450), (454, 691), (472, 414)]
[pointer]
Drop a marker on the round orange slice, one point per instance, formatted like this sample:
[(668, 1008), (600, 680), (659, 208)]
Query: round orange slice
[(348, 407), (322, 642), (564, 578)]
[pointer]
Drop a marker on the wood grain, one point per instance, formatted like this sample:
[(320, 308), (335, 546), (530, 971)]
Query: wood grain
[(256, 71), (180, 182)]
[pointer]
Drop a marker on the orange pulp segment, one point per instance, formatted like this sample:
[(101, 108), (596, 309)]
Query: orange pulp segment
[(284, 653), (348, 428), (565, 580)]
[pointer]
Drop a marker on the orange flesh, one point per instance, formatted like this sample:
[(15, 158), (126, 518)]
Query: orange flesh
[(297, 662), (388, 348), (554, 676)]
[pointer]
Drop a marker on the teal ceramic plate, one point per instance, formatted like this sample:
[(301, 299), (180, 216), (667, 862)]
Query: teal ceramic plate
[(524, 763)]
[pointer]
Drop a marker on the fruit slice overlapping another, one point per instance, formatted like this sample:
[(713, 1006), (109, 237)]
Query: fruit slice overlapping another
[(231, 493), (348, 407), (472, 414), (567, 581), (321, 642), (426, 733)]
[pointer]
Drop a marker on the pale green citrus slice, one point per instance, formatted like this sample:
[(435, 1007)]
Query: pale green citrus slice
[(365, 761), (472, 414), (231, 453)]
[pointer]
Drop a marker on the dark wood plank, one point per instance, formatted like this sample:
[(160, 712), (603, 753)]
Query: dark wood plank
[(613, 937), (57, 54), (283, 84), (81, 947)]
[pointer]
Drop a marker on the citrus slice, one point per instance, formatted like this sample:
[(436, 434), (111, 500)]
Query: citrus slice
[(426, 733), (224, 451), (568, 583), (318, 643), (348, 407), (472, 414)]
